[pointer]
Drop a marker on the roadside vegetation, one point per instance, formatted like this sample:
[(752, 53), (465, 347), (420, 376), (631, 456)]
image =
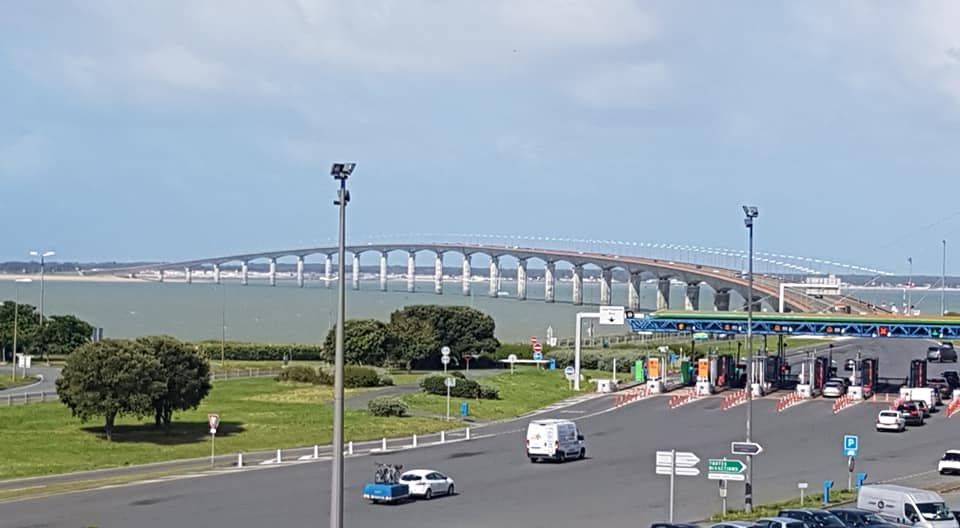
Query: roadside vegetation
[(6, 383)]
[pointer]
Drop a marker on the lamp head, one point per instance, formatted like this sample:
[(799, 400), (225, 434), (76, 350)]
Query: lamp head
[(340, 171), (751, 211)]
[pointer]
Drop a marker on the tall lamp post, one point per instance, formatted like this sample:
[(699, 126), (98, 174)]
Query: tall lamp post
[(340, 172), (16, 327), (909, 287), (751, 213), (943, 280), (43, 255)]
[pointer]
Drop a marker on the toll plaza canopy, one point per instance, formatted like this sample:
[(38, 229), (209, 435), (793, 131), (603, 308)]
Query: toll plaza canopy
[(816, 324)]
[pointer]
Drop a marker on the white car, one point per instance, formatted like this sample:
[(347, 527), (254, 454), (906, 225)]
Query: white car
[(834, 389), (891, 421), (950, 463), (427, 483)]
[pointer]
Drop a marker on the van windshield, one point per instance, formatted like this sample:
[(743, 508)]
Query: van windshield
[(934, 511)]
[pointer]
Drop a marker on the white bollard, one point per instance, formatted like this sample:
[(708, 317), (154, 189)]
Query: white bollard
[(350, 447), (279, 457), (239, 459), (443, 436), (383, 445), (467, 433), (316, 451), (414, 440)]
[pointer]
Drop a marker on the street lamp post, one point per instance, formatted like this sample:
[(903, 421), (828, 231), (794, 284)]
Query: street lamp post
[(943, 280), (43, 255), (751, 213), (16, 327), (340, 172), (909, 286)]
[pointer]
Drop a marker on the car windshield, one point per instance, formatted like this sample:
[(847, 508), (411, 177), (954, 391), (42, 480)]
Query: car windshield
[(889, 414), (410, 478), (934, 511), (796, 525), (828, 520), (873, 518), (952, 457)]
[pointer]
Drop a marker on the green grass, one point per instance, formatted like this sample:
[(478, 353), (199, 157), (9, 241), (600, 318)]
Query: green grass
[(525, 390), (255, 414), (6, 383), (814, 500)]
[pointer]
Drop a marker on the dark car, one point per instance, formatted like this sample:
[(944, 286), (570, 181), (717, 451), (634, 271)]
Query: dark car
[(924, 408), (952, 377), (942, 352), (911, 412), (942, 387), (673, 525), (813, 518), (857, 518)]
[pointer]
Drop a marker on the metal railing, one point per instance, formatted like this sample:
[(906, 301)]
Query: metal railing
[(25, 398), (240, 373)]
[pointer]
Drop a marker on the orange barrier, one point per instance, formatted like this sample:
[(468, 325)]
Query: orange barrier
[(789, 400), (683, 397), (844, 402), (733, 399), (953, 407), (631, 395)]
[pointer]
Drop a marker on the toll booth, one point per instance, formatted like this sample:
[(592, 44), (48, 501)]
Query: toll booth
[(706, 370), (869, 376), (655, 374), (686, 373), (758, 384), (726, 371), (773, 374), (918, 374), (805, 378), (821, 373)]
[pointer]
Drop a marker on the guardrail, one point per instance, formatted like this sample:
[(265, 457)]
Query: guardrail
[(244, 373), (25, 398)]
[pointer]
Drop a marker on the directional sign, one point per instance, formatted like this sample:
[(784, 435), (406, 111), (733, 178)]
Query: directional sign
[(450, 382), (569, 372), (745, 448), (684, 459), (680, 471), (725, 465), (611, 315), (851, 445)]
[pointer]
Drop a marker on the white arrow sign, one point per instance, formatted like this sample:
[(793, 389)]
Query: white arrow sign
[(681, 471), (684, 459)]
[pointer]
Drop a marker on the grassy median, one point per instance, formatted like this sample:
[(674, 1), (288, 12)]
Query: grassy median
[(7, 383)]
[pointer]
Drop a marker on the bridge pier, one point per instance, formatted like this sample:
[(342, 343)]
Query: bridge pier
[(663, 293), (327, 270), (244, 273), (757, 303), (522, 279), (411, 272), (216, 273), (494, 276), (721, 300), (273, 271), (300, 271), (606, 286), (188, 275), (691, 301), (438, 273), (356, 271), (550, 282), (163, 276), (577, 296), (383, 271), (465, 274), (633, 291)]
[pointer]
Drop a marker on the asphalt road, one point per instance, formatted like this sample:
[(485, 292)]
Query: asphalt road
[(48, 384), (498, 486)]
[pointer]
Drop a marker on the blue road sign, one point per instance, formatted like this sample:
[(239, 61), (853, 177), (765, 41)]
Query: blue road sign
[(827, 484), (538, 356), (851, 445)]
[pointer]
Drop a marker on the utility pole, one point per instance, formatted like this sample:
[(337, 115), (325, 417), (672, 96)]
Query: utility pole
[(751, 213), (943, 280)]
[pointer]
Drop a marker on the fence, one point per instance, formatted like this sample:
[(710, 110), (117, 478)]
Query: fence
[(25, 398), (244, 373)]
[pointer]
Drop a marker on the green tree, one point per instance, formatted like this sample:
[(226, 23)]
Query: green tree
[(365, 342), (27, 324), (62, 334), (185, 376), (422, 330), (108, 379)]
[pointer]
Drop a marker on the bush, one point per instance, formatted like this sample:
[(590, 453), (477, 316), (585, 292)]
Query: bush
[(385, 406), (386, 381), (458, 374), (299, 374), (465, 388), (258, 352), (488, 393), (356, 377)]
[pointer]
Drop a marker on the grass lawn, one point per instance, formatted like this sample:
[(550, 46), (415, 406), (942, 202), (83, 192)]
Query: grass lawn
[(255, 414), (525, 390), (6, 383)]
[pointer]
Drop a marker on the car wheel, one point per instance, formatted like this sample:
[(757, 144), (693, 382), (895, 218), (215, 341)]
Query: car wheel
[(428, 495), (561, 458), (583, 454), (451, 490), (533, 460)]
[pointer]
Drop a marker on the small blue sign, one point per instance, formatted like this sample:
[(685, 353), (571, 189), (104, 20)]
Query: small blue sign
[(569, 372), (538, 356), (851, 445), (827, 484), (861, 477)]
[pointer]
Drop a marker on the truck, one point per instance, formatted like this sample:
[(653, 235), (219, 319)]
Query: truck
[(905, 506), (386, 486), (924, 394), (557, 440)]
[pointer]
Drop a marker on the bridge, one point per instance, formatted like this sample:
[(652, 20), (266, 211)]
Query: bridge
[(721, 280)]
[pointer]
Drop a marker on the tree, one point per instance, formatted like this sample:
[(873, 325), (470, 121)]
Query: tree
[(365, 342), (184, 374), (62, 334), (422, 330), (27, 324), (110, 378)]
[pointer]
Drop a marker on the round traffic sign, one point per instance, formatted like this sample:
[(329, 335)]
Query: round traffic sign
[(450, 382), (445, 351), (512, 358), (569, 372), (537, 347), (445, 360), (537, 356)]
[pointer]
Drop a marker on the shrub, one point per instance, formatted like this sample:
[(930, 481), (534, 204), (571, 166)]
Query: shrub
[(386, 381), (488, 393), (385, 406), (324, 377), (299, 374), (355, 377), (465, 388), (458, 374), (433, 385), (258, 351)]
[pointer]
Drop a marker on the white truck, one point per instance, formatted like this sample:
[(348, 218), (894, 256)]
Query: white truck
[(925, 394), (558, 440), (905, 506)]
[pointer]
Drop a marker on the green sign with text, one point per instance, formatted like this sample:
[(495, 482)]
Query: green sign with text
[(724, 465)]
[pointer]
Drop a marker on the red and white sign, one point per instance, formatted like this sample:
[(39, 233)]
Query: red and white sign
[(467, 357), (533, 340), (537, 348), (213, 420)]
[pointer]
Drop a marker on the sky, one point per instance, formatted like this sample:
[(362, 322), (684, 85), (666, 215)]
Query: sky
[(191, 128)]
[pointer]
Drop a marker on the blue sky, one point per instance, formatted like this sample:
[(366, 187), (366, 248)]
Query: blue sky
[(194, 128)]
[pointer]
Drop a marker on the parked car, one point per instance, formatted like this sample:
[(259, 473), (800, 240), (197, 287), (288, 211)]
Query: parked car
[(923, 407), (684, 525), (427, 483), (911, 413), (942, 353), (813, 517), (942, 386), (952, 377), (834, 388), (950, 463), (891, 421), (736, 524), (857, 518), (780, 522)]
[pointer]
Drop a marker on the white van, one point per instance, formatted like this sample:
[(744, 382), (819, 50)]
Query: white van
[(906, 506), (555, 440)]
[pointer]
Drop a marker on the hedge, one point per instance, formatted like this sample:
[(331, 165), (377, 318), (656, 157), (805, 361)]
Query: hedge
[(239, 351), (299, 374), (386, 406), (465, 388), (356, 377)]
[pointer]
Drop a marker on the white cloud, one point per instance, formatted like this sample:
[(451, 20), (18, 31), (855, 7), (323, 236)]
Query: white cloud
[(620, 85), (25, 156), (180, 68)]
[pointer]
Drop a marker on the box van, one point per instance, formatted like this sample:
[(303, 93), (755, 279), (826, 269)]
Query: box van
[(906, 506), (555, 440)]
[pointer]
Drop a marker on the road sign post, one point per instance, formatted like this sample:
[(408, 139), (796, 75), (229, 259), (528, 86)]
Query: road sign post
[(213, 420), (450, 383), (802, 486), (445, 358), (673, 463), (723, 498)]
